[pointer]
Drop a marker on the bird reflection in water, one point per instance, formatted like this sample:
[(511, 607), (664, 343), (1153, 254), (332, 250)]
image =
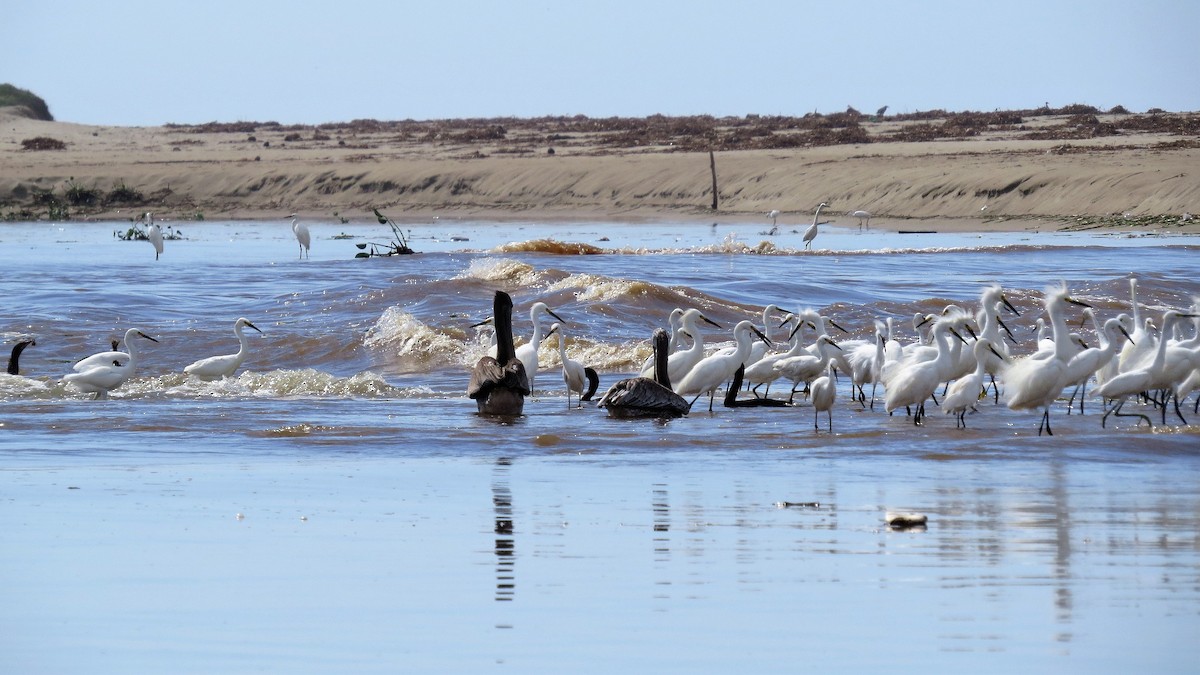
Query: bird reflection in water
[(505, 543)]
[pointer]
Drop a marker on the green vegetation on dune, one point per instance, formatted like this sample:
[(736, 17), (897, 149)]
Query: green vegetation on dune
[(15, 96)]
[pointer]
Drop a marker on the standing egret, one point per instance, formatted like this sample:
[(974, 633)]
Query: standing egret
[(914, 382), (1034, 382), (499, 385), (302, 237), (682, 362), (1086, 363), (573, 372), (14, 360), (528, 351), (154, 234), (862, 215), (216, 367), (966, 391), (806, 367), (643, 396), (1141, 377), (713, 371), (101, 373), (811, 232), (824, 391), (773, 214)]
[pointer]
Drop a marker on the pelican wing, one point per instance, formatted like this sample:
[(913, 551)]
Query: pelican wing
[(642, 397), (489, 374)]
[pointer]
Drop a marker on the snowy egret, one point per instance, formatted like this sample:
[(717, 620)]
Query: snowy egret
[(528, 352), (763, 371), (862, 215), (643, 396), (682, 362), (823, 393), (499, 385), (773, 215), (811, 232), (758, 350), (1140, 378), (713, 371), (302, 237), (573, 372), (1086, 363), (966, 391), (1034, 382), (913, 383), (101, 373), (807, 367), (154, 234), (14, 360), (216, 367)]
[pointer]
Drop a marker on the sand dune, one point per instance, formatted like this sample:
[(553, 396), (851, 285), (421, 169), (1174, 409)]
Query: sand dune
[(267, 171)]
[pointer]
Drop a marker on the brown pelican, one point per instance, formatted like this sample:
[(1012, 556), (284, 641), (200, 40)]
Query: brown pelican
[(499, 385), (643, 396)]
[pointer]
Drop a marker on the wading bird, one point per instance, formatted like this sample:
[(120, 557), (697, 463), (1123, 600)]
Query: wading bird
[(101, 373), (862, 215), (713, 371), (644, 396), (499, 385), (154, 234), (811, 232), (574, 373), (528, 352), (302, 237), (216, 367)]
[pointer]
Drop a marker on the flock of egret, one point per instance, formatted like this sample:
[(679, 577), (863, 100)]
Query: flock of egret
[(102, 372), (959, 356)]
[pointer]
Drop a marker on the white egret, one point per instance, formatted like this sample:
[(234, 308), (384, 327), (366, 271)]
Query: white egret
[(862, 215), (681, 362), (807, 367), (866, 364), (913, 383), (966, 391), (302, 237), (1140, 378), (758, 350), (811, 232), (528, 352), (763, 371), (101, 373), (1086, 363), (217, 367), (498, 385), (154, 234), (713, 371), (823, 394), (14, 359), (774, 216), (1033, 382), (573, 372), (643, 396)]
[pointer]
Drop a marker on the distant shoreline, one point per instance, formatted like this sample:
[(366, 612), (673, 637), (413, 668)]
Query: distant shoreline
[(958, 172)]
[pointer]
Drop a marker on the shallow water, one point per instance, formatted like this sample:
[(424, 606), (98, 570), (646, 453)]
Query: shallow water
[(385, 526)]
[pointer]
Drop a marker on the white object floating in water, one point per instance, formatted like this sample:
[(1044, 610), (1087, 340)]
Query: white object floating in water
[(304, 518), (900, 521), (240, 517)]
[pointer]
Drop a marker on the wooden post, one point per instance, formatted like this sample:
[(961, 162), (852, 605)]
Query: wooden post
[(712, 163)]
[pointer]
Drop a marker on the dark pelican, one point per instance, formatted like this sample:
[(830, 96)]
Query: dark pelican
[(499, 385), (645, 397), (14, 365)]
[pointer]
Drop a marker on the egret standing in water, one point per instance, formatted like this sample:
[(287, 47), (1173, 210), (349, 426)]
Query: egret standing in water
[(101, 373), (862, 215), (499, 385), (528, 351), (1034, 382), (646, 397), (811, 232), (713, 371), (14, 360), (823, 394), (216, 367), (154, 234), (302, 237), (574, 373)]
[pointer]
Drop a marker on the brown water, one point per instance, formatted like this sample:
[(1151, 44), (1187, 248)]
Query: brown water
[(386, 527)]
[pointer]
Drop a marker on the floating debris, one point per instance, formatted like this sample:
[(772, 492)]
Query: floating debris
[(797, 505), (904, 521)]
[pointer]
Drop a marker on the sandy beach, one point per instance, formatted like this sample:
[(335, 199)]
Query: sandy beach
[(1010, 171)]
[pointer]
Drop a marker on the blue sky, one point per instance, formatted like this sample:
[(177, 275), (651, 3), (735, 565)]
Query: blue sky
[(155, 62)]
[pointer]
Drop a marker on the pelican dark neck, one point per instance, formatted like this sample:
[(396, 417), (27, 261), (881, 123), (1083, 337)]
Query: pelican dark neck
[(661, 341), (14, 365), (502, 313)]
